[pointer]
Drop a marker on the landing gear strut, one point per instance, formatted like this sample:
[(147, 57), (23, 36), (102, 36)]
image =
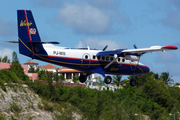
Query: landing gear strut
[(107, 79)]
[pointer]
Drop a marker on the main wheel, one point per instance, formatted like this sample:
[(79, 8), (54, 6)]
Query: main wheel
[(82, 78), (107, 79), (133, 82)]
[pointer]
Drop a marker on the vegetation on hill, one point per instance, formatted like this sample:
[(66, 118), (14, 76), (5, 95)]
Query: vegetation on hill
[(151, 96), (15, 74)]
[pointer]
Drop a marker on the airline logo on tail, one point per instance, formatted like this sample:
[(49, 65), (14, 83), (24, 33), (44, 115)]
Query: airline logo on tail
[(23, 23), (32, 31)]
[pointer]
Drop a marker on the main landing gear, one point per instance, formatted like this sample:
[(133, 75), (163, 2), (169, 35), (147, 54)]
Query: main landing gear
[(107, 79), (132, 82), (83, 77)]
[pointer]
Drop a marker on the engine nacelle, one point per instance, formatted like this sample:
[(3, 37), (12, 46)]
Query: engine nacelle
[(132, 57)]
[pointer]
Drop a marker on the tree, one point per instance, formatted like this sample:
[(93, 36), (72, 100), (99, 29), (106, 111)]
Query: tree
[(17, 69), (75, 79), (124, 82), (8, 61), (177, 84), (48, 77), (56, 77), (33, 70), (156, 76), (61, 78), (5, 59), (165, 77), (14, 57), (117, 80), (99, 81), (41, 75), (142, 79)]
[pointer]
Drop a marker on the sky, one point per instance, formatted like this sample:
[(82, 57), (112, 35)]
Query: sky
[(97, 23)]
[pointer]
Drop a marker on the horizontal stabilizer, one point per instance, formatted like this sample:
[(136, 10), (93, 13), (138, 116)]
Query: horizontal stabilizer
[(12, 41), (33, 42), (36, 42)]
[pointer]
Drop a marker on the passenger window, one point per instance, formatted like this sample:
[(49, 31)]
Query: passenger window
[(94, 57), (103, 58), (86, 57), (112, 58), (123, 60), (119, 59), (107, 58), (98, 57)]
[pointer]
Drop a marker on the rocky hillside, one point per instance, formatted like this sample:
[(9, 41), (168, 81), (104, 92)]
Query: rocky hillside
[(19, 102)]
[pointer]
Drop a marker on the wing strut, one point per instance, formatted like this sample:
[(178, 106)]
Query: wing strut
[(116, 57)]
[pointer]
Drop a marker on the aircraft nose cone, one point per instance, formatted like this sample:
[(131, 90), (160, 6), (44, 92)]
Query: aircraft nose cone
[(146, 69)]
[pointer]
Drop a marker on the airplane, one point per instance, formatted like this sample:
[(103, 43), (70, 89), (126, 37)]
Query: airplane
[(115, 62)]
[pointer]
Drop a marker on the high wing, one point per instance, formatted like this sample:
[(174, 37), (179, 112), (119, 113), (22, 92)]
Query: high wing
[(151, 49), (133, 54), (113, 52), (120, 52)]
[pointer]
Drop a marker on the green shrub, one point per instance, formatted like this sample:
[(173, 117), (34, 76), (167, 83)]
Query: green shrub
[(3, 87), (40, 106), (2, 117), (14, 107), (48, 107), (65, 115)]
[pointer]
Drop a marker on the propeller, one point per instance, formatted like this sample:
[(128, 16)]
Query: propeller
[(139, 54), (105, 47)]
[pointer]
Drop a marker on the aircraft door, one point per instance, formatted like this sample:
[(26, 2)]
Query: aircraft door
[(86, 60)]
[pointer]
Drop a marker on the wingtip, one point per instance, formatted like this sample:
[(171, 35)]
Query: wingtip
[(170, 47)]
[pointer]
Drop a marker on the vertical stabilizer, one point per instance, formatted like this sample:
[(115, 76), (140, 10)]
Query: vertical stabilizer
[(28, 36)]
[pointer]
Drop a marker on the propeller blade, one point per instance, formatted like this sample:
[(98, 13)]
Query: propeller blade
[(135, 46), (105, 47)]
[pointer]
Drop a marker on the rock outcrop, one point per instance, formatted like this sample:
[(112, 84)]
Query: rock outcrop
[(19, 102)]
